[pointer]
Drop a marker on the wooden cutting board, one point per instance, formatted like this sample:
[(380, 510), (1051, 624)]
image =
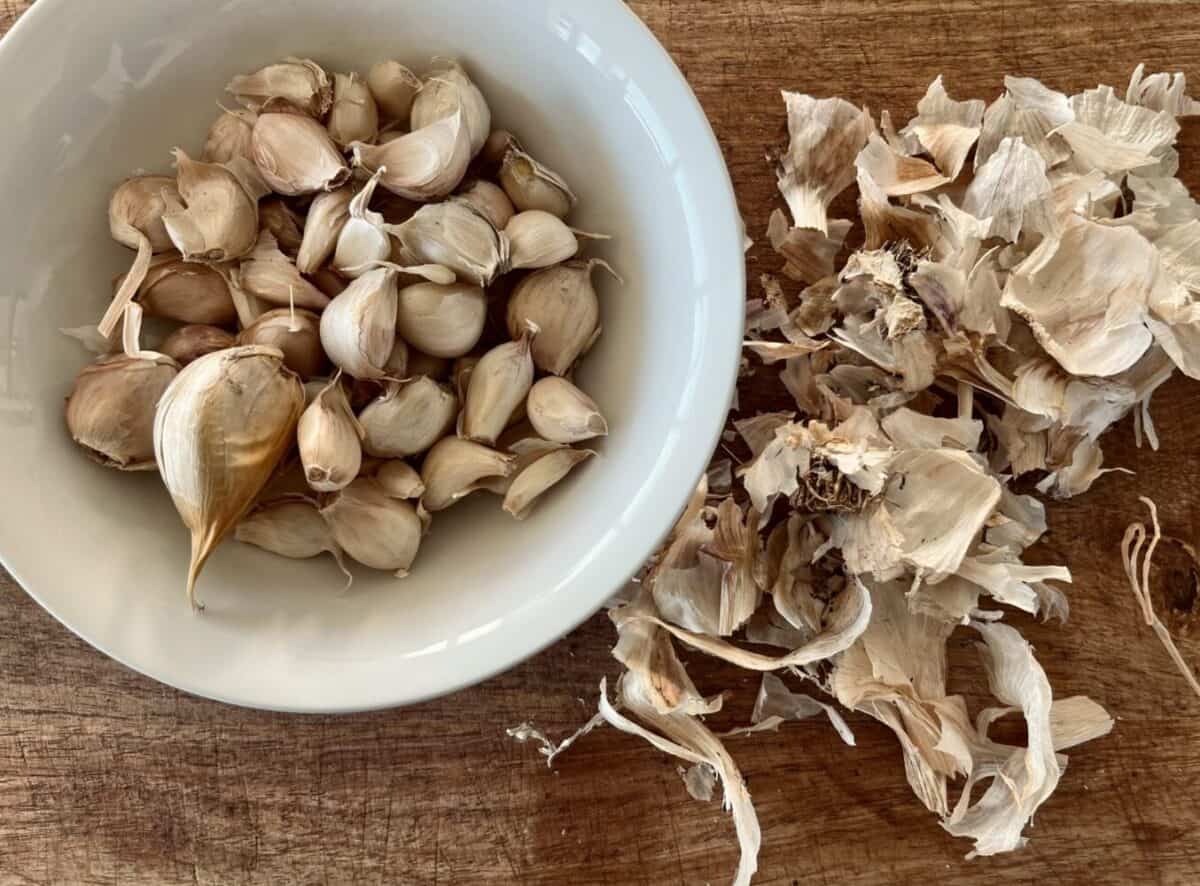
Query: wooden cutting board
[(109, 778)]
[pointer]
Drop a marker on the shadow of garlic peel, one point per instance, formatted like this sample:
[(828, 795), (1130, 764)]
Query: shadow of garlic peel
[(1029, 277), (325, 377)]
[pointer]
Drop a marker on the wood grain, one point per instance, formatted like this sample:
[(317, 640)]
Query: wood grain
[(109, 778)]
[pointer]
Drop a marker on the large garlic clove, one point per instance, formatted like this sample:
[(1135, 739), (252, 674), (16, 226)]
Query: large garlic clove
[(445, 91), (284, 225), (424, 164), (455, 235), (290, 527), (358, 329), (488, 200), (373, 528), (354, 116), (187, 292), (562, 413), (538, 239), (364, 239), (294, 332), (327, 215), (394, 87), (530, 185), (189, 343), (444, 321), (498, 386), (220, 430), (536, 479), (330, 440), (408, 418), (454, 468), (296, 155), (399, 479), (270, 275), (561, 301), (229, 137), (300, 82), (218, 220)]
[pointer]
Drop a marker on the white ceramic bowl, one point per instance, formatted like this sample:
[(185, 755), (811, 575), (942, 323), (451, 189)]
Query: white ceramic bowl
[(91, 95)]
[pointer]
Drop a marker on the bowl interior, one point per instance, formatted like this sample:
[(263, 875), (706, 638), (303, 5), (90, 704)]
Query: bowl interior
[(94, 98)]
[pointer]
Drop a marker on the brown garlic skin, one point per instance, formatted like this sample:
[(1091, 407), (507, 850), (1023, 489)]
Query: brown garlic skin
[(187, 292), (297, 334), (189, 343), (287, 228)]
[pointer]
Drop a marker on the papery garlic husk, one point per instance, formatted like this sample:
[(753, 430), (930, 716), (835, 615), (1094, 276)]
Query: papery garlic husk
[(218, 218), (329, 438), (327, 215), (300, 82), (296, 334), (535, 480), (270, 275), (296, 155), (354, 116), (443, 321), (399, 479), (530, 185), (189, 343), (229, 137), (561, 301), (499, 384), (373, 528), (488, 200), (364, 239), (221, 429), (408, 418), (285, 226), (458, 237), (538, 240), (394, 87), (424, 164), (420, 363), (445, 91), (290, 527), (454, 468), (187, 292), (358, 329), (562, 413)]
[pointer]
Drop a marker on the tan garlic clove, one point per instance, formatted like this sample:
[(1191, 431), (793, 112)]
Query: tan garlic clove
[(187, 292), (523, 443), (538, 239), (460, 375), (496, 148), (397, 364), (445, 91), (329, 281), (218, 218), (458, 237), (454, 468), (499, 384), (375, 529), (290, 527), (329, 438), (394, 87), (358, 329), (189, 343), (296, 155), (488, 200), (408, 418), (327, 215), (561, 301), (285, 226), (229, 137), (420, 363), (268, 274), (220, 430), (294, 332), (399, 479), (530, 185), (562, 413), (443, 321), (354, 116), (300, 82), (425, 164), (536, 479), (364, 239)]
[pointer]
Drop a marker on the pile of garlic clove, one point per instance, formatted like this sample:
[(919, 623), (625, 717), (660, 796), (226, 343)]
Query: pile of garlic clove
[(374, 306)]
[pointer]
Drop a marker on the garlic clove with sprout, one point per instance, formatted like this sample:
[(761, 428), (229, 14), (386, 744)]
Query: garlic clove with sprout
[(454, 468), (535, 480), (218, 218), (425, 164), (296, 156), (498, 386), (268, 274), (488, 200), (408, 418), (458, 237), (296, 333), (375, 529), (364, 238), (220, 430), (229, 137), (538, 239), (290, 527), (394, 87), (327, 215), (285, 225), (187, 292), (399, 479), (561, 301), (447, 90), (443, 321), (530, 185), (189, 343), (300, 82), (330, 440), (562, 413), (354, 116)]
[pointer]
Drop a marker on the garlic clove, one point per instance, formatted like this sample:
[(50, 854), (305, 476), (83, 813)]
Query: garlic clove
[(399, 480), (443, 321), (461, 373), (220, 430), (488, 200), (561, 301), (218, 217), (454, 468), (229, 137), (187, 292), (330, 440), (455, 235), (268, 274), (420, 363), (394, 87), (358, 329), (562, 413), (284, 225), (354, 116), (408, 418), (290, 527), (189, 343), (498, 386), (329, 281), (296, 155), (424, 164), (300, 82), (536, 479), (538, 240), (294, 332), (397, 364), (447, 90), (495, 149), (327, 215), (364, 239), (527, 447), (530, 185), (375, 529)]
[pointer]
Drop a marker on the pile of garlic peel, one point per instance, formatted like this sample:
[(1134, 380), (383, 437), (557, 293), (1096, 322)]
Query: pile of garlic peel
[(1030, 276), (362, 273)]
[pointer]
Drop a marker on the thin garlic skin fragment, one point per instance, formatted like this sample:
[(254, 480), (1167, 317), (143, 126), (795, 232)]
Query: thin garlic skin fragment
[(562, 413), (375, 529)]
